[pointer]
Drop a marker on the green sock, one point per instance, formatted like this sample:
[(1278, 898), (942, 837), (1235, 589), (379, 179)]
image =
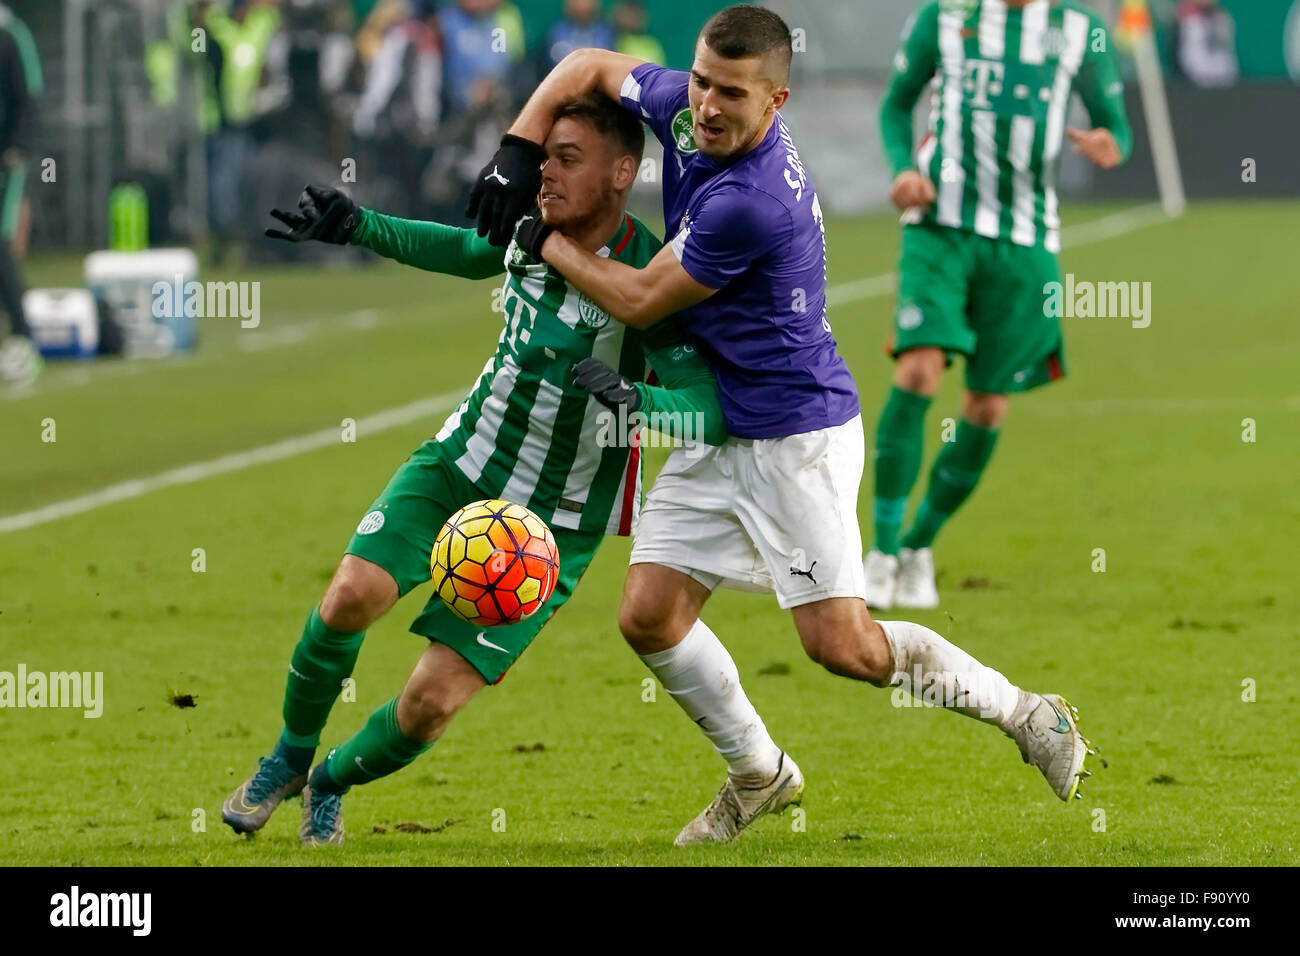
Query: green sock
[(898, 461), (323, 659), (376, 750), (956, 471)]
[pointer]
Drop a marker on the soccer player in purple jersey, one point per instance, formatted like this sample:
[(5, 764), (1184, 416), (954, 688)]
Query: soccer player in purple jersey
[(774, 508)]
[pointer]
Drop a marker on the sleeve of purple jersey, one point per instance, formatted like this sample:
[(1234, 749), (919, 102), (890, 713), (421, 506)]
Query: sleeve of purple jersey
[(656, 95), (730, 229)]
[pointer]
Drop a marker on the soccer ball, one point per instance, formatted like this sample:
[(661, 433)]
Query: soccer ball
[(494, 562)]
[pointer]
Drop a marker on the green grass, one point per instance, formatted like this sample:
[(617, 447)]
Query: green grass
[(1138, 452)]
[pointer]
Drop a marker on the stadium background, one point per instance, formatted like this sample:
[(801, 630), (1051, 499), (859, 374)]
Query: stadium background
[(234, 449), (107, 117)]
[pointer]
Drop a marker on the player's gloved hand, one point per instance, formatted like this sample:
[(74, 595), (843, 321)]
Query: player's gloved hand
[(507, 186), (606, 385), (324, 213), (532, 233)]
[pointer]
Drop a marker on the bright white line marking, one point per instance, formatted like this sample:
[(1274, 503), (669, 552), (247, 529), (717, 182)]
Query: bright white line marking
[(289, 447)]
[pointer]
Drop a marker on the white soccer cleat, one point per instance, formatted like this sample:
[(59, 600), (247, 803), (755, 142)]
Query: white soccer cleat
[(881, 571), (737, 806), (1049, 739), (916, 587)]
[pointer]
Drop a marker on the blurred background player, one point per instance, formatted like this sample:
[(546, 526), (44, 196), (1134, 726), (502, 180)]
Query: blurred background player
[(240, 38), (20, 84), (528, 431), (632, 33), (980, 242), (482, 40), (581, 26)]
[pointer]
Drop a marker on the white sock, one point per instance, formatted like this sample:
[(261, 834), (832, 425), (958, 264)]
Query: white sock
[(936, 671), (702, 678)]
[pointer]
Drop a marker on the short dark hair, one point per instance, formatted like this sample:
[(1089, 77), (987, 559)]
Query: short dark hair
[(744, 30), (607, 118)]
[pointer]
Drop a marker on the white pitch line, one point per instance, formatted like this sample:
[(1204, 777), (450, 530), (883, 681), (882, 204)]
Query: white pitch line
[(287, 448), (1107, 227), (858, 289)]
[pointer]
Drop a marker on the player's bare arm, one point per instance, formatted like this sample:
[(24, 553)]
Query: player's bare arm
[(914, 64), (1109, 140), (636, 297), (582, 71)]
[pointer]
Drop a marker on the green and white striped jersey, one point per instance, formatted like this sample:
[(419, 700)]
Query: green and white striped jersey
[(1001, 79), (526, 433)]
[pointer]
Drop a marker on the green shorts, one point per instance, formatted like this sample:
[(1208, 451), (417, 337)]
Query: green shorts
[(397, 533), (983, 298)]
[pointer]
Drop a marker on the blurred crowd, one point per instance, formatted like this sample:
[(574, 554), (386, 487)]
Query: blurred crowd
[(404, 99)]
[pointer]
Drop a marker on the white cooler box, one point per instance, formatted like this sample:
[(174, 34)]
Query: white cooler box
[(124, 281)]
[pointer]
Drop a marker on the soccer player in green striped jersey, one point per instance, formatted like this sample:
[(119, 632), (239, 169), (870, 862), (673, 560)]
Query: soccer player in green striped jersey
[(526, 432), (981, 234)]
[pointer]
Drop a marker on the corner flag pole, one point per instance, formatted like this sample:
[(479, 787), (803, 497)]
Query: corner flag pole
[(1135, 27)]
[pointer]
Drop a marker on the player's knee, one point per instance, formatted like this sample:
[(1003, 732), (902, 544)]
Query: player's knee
[(984, 409), (643, 625), (920, 371), (346, 606), (847, 653), (355, 598), (424, 711)]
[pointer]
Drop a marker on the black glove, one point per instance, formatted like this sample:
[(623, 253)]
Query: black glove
[(606, 385), (532, 233), (326, 214), (507, 186)]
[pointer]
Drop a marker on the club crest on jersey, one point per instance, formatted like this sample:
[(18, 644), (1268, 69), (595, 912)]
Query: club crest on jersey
[(590, 314), (1053, 41), (371, 523), (683, 132)]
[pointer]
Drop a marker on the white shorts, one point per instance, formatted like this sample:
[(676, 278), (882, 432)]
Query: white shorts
[(771, 514)]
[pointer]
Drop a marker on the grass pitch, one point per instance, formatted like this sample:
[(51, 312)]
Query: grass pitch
[(1180, 655)]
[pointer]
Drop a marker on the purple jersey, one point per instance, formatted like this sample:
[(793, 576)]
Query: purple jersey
[(753, 231)]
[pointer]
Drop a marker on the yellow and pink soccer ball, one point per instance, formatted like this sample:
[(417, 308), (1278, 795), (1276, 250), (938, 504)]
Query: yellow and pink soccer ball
[(494, 563)]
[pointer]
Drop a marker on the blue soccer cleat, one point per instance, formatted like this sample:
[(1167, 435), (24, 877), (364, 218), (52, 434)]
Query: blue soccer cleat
[(251, 805), (322, 818)]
